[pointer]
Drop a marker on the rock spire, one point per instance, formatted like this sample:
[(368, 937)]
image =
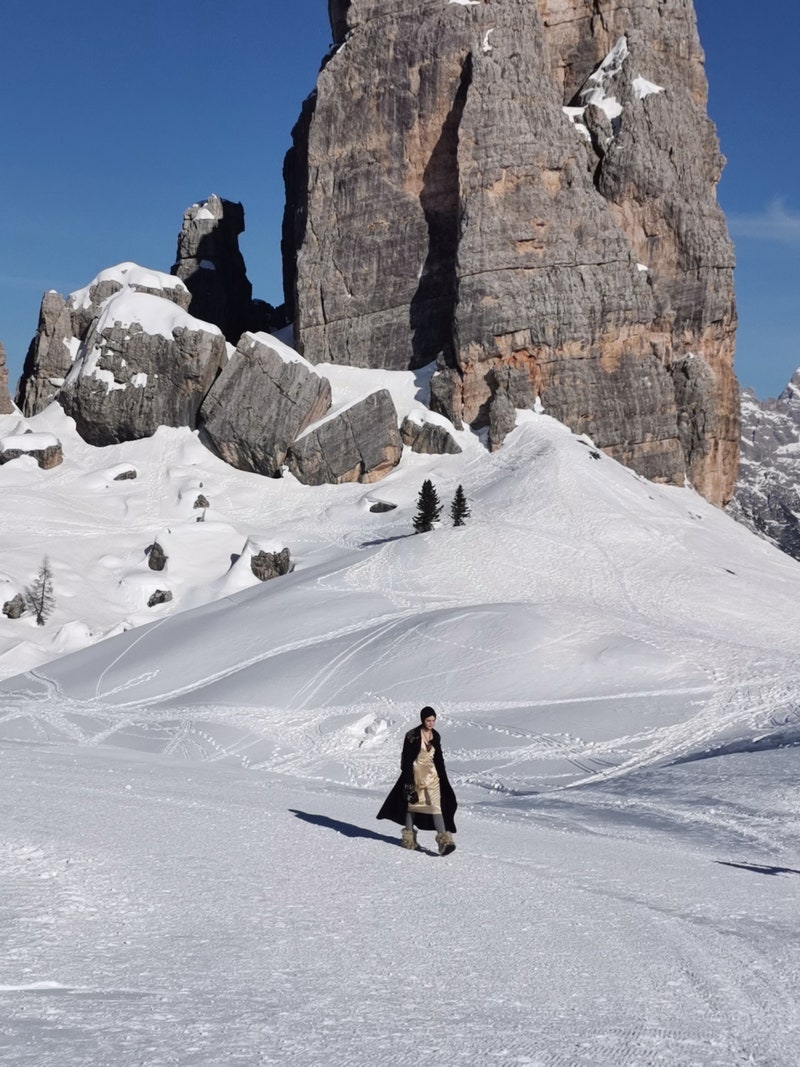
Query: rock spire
[(524, 192), (211, 266)]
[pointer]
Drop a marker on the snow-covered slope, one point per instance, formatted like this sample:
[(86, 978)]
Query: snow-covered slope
[(192, 869), (604, 620)]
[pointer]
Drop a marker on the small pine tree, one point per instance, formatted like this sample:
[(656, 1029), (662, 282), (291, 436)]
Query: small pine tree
[(428, 508), (39, 594), (459, 508)]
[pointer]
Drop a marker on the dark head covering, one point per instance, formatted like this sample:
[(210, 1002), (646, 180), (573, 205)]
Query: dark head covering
[(426, 714)]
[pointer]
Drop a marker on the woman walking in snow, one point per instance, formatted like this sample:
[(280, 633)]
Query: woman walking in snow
[(422, 796)]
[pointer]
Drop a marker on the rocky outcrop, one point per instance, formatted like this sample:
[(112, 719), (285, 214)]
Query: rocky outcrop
[(64, 324), (360, 444), (527, 188), (15, 607), (268, 565), (766, 498), (43, 447), (208, 260), (156, 557), (144, 363), (265, 397), (160, 596), (425, 435), (50, 356), (6, 407)]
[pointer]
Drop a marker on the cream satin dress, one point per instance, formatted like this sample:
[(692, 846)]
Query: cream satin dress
[(426, 783)]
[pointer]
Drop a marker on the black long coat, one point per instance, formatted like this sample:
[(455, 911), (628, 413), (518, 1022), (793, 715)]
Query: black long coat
[(395, 806)]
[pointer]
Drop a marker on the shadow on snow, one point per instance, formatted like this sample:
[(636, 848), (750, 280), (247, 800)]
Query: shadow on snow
[(349, 829), (758, 868)]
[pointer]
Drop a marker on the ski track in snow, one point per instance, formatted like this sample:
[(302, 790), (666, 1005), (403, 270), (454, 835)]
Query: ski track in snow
[(165, 913), (190, 867)]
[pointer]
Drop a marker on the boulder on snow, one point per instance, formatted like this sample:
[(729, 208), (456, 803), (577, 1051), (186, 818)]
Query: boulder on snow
[(430, 438), (265, 397), (144, 363), (65, 322), (360, 444), (15, 608), (161, 596), (266, 565), (156, 557), (43, 447)]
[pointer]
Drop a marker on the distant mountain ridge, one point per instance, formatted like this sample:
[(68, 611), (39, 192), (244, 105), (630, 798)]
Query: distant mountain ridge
[(767, 494)]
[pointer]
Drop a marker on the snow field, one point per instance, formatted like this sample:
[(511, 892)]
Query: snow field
[(182, 913), (191, 868)]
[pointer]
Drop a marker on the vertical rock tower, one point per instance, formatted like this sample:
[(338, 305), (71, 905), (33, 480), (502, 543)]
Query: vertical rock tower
[(525, 192), (209, 263)]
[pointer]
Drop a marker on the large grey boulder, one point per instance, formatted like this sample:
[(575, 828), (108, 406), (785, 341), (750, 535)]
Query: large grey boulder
[(360, 444), (6, 407), (265, 397), (766, 498), (15, 607), (64, 323), (208, 260), (426, 435), (268, 565), (529, 185), (157, 557), (144, 363)]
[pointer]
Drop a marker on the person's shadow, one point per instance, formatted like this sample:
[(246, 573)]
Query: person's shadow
[(758, 868), (349, 829)]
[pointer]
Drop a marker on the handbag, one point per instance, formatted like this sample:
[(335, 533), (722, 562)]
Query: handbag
[(411, 794)]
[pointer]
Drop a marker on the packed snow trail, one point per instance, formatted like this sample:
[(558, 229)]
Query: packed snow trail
[(157, 912)]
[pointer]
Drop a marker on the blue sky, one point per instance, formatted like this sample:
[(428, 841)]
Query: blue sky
[(116, 117)]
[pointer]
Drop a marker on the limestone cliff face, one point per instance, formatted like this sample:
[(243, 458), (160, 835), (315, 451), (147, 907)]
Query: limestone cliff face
[(525, 192)]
